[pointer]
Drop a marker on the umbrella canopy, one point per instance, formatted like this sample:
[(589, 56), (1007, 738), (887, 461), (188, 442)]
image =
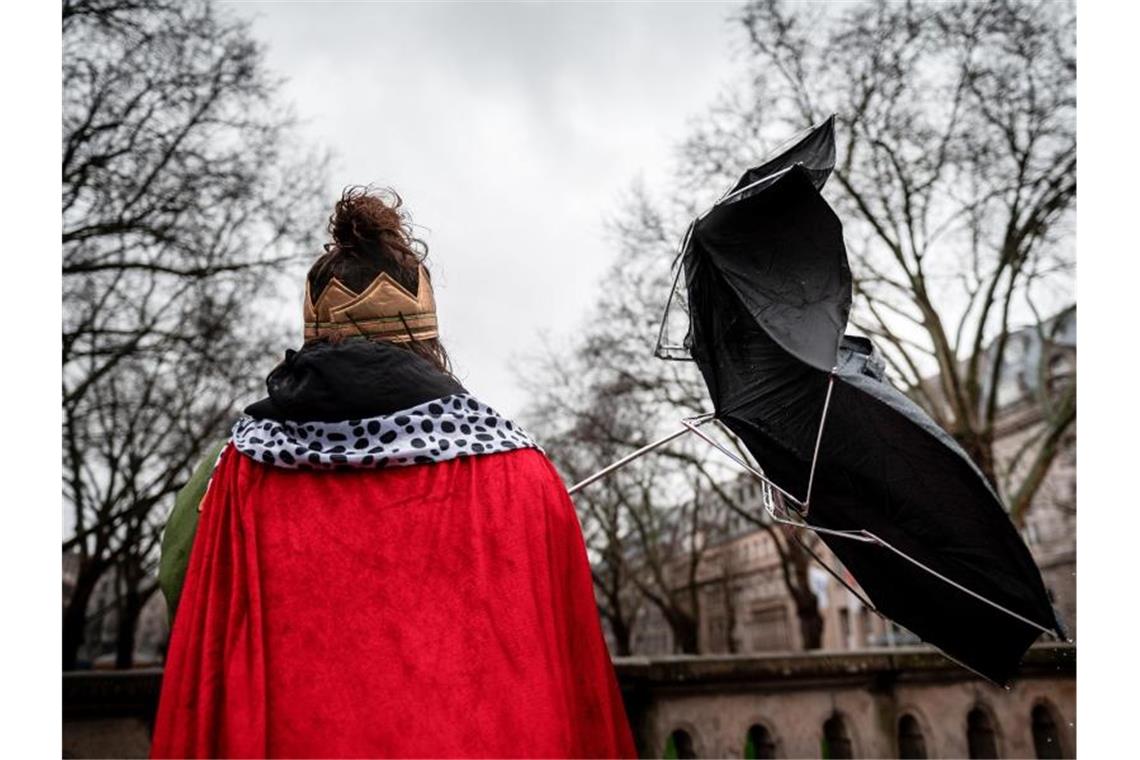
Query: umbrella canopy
[(769, 290), (813, 149)]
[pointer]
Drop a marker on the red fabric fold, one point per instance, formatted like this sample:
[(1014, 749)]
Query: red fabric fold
[(440, 610)]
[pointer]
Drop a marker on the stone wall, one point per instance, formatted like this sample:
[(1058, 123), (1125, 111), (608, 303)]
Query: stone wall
[(716, 699), (109, 713)]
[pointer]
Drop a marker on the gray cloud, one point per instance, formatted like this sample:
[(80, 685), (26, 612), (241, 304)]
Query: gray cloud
[(511, 130)]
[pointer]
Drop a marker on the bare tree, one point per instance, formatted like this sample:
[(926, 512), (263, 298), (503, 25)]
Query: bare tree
[(794, 548), (612, 372), (671, 547), (956, 182), (644, 530), (608, 396), (570, 438), (724, 590), (185, 198)]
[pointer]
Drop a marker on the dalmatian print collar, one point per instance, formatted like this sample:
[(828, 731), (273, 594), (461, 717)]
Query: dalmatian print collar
[(435, 431)]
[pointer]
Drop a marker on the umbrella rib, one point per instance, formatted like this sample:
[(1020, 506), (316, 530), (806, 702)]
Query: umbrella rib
[(669, 301), (866, 602), (871, 538), (751, 185), (755, 473), (784, 147), (862, 535), (699, 420), (803, 504), (959, 586), (685, 243), (819, 438), (865, 536)]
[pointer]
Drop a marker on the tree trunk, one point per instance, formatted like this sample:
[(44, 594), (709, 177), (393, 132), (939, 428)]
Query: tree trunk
[(807, 604), (622, 636), (75, 614), (729, 615), (685, 633), (730, 626), (811, 622), (128, 623), (1065, 418)]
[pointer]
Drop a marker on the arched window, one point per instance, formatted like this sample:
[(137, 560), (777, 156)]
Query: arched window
[(759, 743), (1046, 738), (836, 740), (911, 741), (679, 745), (980, 735)]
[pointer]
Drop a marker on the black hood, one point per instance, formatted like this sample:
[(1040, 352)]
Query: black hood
[(353, 379)]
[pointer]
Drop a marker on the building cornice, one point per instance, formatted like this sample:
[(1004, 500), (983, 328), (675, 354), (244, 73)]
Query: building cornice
[(790, 671)]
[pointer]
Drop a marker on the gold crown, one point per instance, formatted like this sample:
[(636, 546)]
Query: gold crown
[(385, 309)]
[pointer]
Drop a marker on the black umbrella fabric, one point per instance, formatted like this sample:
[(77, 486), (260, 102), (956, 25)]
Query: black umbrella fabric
[(769, 290), (814, 150)]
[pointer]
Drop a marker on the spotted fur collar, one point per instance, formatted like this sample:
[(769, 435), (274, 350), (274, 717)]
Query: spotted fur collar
[(445, 428)]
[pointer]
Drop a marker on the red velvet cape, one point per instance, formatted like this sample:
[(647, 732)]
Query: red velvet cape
[(441, 610)]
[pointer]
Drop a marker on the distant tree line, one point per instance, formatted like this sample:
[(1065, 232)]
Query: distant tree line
[(185, 195)]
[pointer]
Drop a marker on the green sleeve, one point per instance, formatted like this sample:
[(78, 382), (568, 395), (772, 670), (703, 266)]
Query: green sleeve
[(178, 537)]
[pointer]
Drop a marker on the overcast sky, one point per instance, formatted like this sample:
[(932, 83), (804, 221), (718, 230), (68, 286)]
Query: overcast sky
[(511, 130)]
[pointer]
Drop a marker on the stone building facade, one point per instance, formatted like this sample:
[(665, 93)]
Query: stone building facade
[(745, 606), (903, 702), (1037, 356)]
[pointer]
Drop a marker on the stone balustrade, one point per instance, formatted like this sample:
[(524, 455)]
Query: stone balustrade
[(709, 704)]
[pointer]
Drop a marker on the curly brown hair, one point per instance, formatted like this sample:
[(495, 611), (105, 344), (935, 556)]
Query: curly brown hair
[(372, 234)]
